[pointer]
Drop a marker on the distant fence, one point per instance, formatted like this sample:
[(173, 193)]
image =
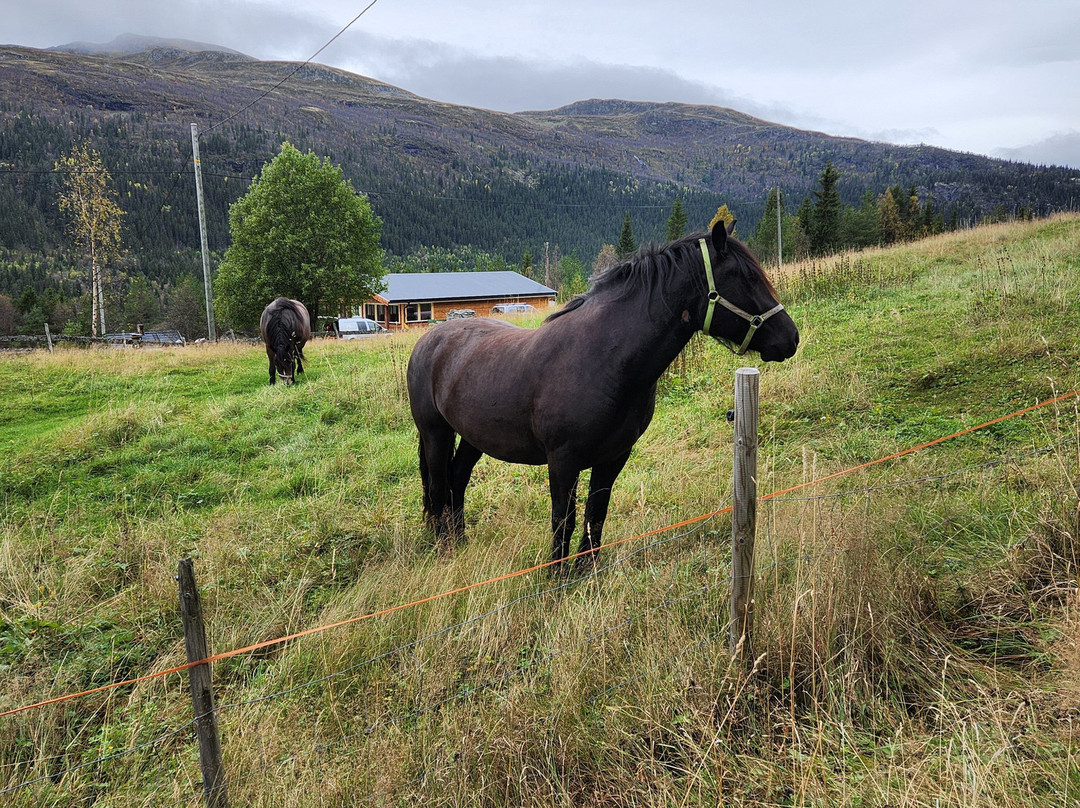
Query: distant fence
[(650, 541), (41, 341), (131, 339)]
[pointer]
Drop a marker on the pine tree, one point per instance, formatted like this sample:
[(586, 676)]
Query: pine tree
[(825, 234), (764, 239), (860, 225), (676, 223), (805, 215), (627, 246)]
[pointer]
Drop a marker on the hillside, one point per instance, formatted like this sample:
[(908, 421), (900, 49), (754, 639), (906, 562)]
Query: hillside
[(438, 174), (916, 620)]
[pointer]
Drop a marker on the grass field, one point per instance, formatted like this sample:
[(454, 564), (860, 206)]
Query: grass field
[(917, 622)]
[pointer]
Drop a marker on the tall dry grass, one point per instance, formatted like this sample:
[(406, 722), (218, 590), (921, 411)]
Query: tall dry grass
[(916, 623)]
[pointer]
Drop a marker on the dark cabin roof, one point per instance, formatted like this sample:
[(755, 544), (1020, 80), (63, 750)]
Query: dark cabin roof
[(410, 287)]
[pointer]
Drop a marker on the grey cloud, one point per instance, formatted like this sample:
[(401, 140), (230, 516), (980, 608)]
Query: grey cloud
[(1062, 149), (510, 84)]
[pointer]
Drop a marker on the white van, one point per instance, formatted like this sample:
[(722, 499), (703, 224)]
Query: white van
[(356, 327)]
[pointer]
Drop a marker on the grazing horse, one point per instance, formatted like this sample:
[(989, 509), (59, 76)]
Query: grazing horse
[(577, 392), (285, 327)]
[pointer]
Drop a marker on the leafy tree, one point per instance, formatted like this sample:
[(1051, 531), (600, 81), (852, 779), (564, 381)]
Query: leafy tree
[(723, 214), (186, 308), (890, 226), (7, 316), (570, 277), (627, 245), (300, 231), (676, 223), (141, 304), (796, 240), (605, 259), (93, 217), (825, 236)]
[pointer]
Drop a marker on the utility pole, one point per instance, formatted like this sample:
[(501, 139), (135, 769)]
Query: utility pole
[(211, 331), (779, 233)]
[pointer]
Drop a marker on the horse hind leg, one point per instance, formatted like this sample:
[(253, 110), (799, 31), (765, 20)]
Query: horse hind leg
[(461, 468), (436, 451)]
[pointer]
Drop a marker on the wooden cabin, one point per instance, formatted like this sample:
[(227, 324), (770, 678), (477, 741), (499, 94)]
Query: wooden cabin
[(417, 298)]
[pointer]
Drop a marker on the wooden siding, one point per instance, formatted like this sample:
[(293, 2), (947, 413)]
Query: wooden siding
[(440, 308)]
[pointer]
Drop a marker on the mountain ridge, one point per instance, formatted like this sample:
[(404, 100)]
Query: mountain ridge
[(441, 174)]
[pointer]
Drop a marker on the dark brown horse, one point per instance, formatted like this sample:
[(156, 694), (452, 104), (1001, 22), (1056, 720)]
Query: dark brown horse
[(578, 391), (285, 327)]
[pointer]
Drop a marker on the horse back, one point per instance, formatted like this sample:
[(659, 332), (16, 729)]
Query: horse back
[(518, 394), (285, 319)]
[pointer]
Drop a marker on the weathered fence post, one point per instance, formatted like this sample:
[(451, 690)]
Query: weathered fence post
[(48, 336), (202, 691), (744, 514)]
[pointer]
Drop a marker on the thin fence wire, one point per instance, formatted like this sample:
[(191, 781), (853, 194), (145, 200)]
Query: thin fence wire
[(464, 626)]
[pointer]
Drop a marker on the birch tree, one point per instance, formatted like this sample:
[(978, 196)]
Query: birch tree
[(89, 201)]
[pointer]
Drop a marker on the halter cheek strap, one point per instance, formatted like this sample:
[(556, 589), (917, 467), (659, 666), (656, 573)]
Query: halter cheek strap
[(755, 320)]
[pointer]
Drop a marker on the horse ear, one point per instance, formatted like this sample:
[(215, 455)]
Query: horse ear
[(719, 237), (731, 227)]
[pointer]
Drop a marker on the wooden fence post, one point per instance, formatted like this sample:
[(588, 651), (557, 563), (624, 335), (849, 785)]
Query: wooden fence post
[(202, 691), (744, 514)]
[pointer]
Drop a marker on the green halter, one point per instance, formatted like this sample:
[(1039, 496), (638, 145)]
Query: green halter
[(755, 320)]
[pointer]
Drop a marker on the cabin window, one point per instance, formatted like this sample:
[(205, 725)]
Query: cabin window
[(382, 314), (418, 312)]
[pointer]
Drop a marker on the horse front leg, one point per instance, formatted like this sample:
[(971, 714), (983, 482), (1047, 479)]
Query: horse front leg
[(562, 480), (601, 480)]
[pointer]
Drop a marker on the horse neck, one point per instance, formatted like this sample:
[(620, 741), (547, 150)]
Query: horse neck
[(655, 327)]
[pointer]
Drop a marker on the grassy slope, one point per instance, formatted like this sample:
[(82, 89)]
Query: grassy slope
[(917, 641)]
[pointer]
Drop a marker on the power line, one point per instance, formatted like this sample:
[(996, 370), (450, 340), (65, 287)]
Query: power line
[(295, 70)]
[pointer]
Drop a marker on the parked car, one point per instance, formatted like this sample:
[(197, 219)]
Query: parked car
[(356, 327), (512, 308)]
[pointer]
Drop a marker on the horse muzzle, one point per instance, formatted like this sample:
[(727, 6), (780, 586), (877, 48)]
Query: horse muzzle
[(779, 344)]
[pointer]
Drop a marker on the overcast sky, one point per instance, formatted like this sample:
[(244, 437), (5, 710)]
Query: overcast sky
[(995, 77)]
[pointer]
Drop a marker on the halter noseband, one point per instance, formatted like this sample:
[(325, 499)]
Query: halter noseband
[(755, 320)]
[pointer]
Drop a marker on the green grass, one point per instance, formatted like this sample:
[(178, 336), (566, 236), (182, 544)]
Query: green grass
[(917, 622)]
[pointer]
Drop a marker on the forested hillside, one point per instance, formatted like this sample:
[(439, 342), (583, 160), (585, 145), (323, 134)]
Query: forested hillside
[(439, 176)]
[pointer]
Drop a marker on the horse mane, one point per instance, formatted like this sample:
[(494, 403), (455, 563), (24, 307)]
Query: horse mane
[(282, 322), (646, 270)]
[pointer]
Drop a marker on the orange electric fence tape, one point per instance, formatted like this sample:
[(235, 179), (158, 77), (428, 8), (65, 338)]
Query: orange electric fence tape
[(519, 573)]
